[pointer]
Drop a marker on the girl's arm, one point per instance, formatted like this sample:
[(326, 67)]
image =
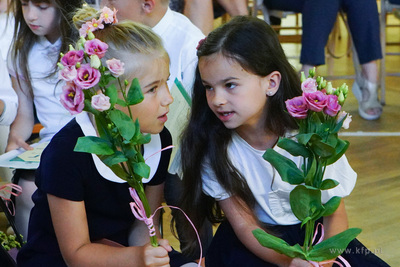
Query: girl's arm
[(71, 228), (21, 128), (243, 223), (140, 234)]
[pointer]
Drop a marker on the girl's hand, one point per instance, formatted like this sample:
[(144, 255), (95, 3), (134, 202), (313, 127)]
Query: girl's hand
[(157, 256), (17, 142), (297, 262)]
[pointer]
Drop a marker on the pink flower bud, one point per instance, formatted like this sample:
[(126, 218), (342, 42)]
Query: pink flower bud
[(72, 98), (87, 76), (116, 67), (68, 73), (309, 85), (297, 107), (346, 123), (101, 102)]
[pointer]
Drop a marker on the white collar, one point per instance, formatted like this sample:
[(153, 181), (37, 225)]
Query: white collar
[(150, 150), (163, 24)]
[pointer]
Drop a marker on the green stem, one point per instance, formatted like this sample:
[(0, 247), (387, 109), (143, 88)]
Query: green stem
[(143, 198), (308, 236)]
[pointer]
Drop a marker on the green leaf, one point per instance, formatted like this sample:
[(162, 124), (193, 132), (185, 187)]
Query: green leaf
[(294, 148), (94, 145), (339, 125), (340, 149), (332, 247), (135, 94), (117, 169), (328, 184), (322, 149), (305, 202), (277, 244), (112, 93), (286, 168), (331, 206), (102, 128), (121, 102), (141, 169), (305, 138), (309, 180), (124, 123), (113, 159)]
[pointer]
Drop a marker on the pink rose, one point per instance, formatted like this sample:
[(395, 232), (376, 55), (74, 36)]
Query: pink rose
[(101, 102), (87, 76), (316, 101), (72, 57), (96, 47), (309, 85), (297, 107), (332, 106), (116, 67), (72, 98), (68, 73)]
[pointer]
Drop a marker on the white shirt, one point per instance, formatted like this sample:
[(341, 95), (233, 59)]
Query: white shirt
[(7, 95), (180, 38), (270, 192), (46, 90)]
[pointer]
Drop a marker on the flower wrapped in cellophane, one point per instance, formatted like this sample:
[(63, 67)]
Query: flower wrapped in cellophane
[(318, 114)]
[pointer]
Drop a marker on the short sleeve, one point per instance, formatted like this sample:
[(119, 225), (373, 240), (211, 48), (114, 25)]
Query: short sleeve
[(342, 172), (64, 174), (211, 186)]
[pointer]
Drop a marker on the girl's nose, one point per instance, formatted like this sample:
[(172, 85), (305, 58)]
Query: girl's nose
[(30, 12), (167, 98), (218, 97)]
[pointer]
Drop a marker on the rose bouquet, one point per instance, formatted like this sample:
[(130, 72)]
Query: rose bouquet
[(317, 112), (92, 87)]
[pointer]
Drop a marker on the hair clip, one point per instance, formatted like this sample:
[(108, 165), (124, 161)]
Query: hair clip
[(201, 42)]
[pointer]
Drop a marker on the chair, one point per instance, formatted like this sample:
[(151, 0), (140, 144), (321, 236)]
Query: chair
[(386, 7)]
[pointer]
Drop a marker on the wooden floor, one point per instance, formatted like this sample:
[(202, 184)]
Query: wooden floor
[(374, 153)]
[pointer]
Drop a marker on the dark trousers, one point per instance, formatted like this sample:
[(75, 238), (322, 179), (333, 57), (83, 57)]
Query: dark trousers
[(227, 250), (319, 17)]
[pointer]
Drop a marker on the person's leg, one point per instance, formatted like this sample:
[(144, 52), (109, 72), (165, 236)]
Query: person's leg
[(363, 20), (201, 13), (318, 17)]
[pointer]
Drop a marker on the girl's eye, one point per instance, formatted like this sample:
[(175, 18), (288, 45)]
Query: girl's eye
[(152, 90), (230, 85), (43, 6), (207, 87)]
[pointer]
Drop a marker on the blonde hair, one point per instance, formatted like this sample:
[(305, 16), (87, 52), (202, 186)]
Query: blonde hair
[(125, 38)]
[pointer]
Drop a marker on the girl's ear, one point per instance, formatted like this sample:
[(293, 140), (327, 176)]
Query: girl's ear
[(273, 81), (148, 5)]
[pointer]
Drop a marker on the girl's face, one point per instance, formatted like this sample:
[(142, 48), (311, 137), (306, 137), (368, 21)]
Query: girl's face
[(152, 111), (236, 97), (41, 18)]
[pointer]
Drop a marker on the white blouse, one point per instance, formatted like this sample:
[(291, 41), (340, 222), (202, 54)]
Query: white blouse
[(270, 191)]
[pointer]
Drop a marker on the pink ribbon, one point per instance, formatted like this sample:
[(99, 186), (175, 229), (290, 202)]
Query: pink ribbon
[(18, 192), (320, 264), (140, 214)]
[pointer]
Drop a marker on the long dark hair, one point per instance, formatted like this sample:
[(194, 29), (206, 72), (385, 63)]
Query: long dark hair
[(24, 38), (254, 45)]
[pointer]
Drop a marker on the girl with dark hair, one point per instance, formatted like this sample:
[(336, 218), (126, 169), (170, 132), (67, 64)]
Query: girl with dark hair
[(43, 29), (238, 111)]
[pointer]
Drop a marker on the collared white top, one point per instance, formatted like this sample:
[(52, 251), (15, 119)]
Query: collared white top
[(180, 38), (46, 90), (270, 192)]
